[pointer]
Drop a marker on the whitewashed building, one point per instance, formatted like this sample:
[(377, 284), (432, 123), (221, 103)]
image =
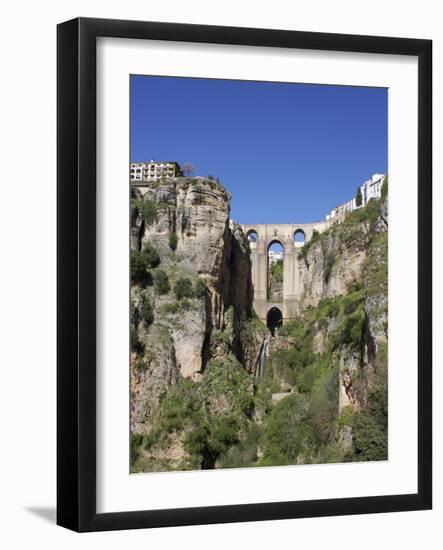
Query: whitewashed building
[(370, 189), (153, 171)]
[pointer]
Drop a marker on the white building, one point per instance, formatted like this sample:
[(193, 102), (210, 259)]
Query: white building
[(370, 189), (153, 171)]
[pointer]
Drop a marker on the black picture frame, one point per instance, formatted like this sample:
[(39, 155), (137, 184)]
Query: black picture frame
[(76, 280)]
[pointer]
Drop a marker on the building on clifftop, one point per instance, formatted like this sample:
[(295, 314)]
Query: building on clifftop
[(145, 172), (370, 189)]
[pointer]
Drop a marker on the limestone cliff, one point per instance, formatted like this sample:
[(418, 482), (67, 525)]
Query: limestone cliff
[(351, 254), (195, 283)]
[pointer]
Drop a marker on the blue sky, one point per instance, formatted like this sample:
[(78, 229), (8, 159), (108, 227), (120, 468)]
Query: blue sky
[(286, 152)]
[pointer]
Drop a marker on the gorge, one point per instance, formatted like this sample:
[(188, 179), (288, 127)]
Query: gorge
[(211, 387)]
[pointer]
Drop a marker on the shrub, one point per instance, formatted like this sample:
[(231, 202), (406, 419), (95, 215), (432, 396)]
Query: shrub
[(136, 345), (208, 440), (139, 269), (179, 405), (369, 215), (351, 331), (183, 288), (369, 438), (161, 282), (328, 265), (173, 241), (150, 255), (306, 247), (171, 308), (277, 271), (146, 312), (148, 211), (136, 442), (200, 289), (289, 433), (324, 405)]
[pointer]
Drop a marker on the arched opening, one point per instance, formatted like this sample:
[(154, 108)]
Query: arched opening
[(274, 319), (252, 236), (275, 271), (299, 237)]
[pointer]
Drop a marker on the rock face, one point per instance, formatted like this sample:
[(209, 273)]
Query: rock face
[(351, 253), (186, 220), (330, 265)]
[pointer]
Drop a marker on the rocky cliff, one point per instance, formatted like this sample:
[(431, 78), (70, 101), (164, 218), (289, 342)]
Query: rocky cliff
[(191, 285)]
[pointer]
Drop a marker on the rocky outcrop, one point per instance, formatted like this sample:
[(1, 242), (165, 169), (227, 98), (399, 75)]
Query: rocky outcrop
[(186, 220), (331, 264), (153, 371)]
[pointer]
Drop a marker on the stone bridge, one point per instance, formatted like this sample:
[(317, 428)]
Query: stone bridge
[(261, 237)]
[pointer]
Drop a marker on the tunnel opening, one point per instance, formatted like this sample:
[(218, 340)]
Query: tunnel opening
[(275, 272), (274, 319)]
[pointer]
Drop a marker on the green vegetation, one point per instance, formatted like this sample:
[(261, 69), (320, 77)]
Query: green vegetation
[(136, 345), (150, 255), (277, 271), (141, 262), (370, 427), (290, 436), (183, 288), (211, 415), (173, 241), (328, 265), (148, 210), (146, 312), (161, 282), (303, 254), (200, 289), (139, 269), (367, 215)]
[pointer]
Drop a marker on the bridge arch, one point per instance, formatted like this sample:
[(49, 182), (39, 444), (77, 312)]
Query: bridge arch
[(275, 269), (273, 241), (252, 236), (299, 236), (291, 237)]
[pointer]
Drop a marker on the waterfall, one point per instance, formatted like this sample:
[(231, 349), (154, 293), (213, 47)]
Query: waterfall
[(261, 358)]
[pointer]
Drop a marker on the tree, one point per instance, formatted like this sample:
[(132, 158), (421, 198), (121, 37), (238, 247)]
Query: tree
[(161, 282), (139, 269), (183, 288), (211, 438), (188, 169), (277, 271), (200, 289), (150, 255), (148, 210), (358, 197), (173, 241), (146, 312)]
